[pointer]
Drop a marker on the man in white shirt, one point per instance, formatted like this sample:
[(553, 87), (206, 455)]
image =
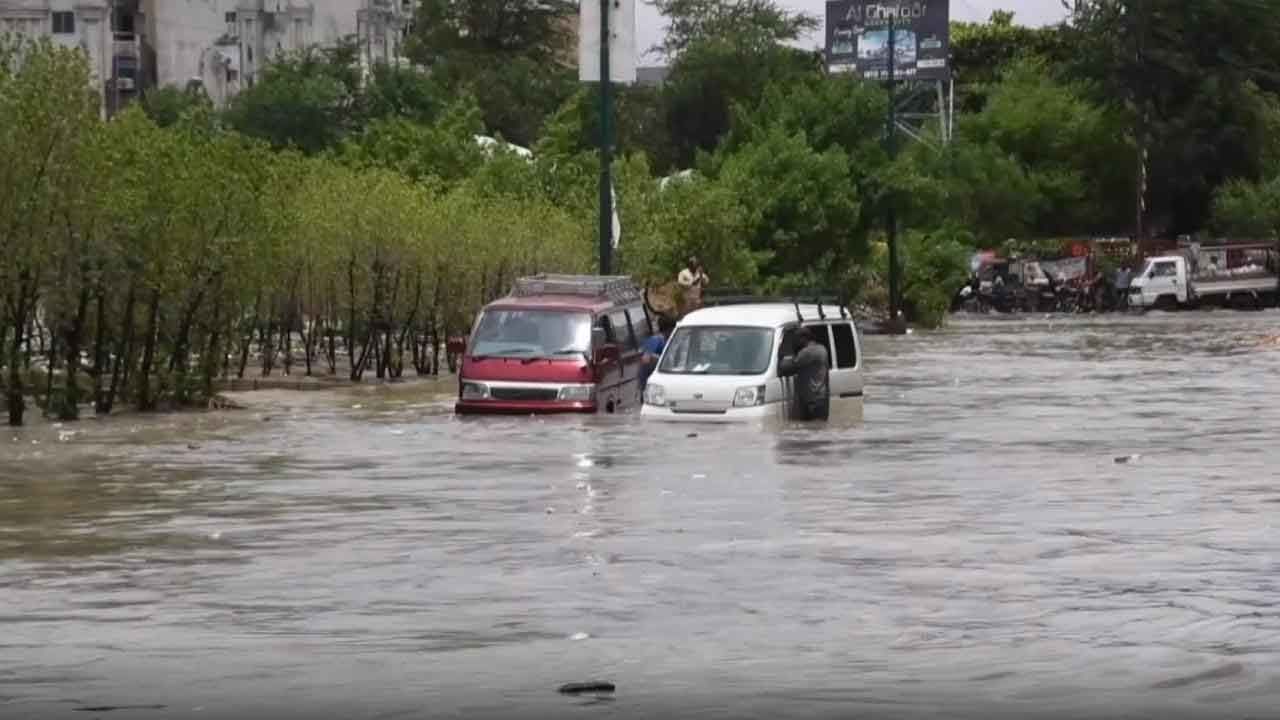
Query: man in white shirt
[(692, 280)]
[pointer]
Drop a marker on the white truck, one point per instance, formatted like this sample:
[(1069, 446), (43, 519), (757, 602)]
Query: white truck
[(1225, 275)]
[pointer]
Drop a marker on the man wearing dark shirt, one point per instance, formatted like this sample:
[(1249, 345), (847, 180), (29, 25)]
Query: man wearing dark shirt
[(809, 367)]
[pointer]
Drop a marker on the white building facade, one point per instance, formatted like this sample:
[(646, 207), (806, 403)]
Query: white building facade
[(84, 24), (223, 45)]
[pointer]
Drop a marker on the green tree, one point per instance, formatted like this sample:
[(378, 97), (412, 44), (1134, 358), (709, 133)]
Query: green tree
[(46, 111), (167, 105), (514, 57), (307, 100)]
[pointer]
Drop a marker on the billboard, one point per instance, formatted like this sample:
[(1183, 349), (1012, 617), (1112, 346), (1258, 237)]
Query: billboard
[(622, 41), (858, 38)]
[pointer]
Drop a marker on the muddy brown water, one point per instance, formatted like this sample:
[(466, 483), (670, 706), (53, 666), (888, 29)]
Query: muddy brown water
[(973, 548)]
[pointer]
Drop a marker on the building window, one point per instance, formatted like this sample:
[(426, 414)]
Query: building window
[(230, 18), (122, 22), (64, 23)]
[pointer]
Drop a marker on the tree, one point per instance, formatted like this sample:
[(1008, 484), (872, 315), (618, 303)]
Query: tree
[(46, 111), (724, 54), (307, 100), (802, 207), (1185, 74), (755, 25), (167, 105), (981, 51), (514, 57)]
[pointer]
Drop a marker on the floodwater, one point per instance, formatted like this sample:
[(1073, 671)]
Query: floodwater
[(973, 549)]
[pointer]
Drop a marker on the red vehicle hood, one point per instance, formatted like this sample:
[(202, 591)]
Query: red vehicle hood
[(518, 370)]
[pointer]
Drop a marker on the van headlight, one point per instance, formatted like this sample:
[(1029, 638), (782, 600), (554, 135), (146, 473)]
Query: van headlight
[(577, 393), (655, 395), (475, 391), (748, 396)]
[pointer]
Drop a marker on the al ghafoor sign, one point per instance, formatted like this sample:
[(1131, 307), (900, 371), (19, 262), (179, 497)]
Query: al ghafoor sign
[(858, 38)]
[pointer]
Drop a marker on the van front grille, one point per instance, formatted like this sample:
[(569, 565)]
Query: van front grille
[(523, 393)]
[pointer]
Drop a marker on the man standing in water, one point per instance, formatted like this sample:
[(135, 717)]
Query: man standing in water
[(809, 367)]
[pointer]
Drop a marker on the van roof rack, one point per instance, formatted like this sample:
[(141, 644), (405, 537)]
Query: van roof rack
[(614, 287), (836, 300)]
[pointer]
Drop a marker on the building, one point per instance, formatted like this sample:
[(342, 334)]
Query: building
[(223, 45), (120, 59)]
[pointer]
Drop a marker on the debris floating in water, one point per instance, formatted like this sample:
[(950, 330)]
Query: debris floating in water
[(579, 636), (1126, 459), (692, 435), (587, 687)]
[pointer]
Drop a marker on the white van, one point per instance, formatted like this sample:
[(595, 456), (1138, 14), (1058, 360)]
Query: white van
[(721, 364)]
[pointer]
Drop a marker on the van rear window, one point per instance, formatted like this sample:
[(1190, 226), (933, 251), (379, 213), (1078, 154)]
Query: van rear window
[(846, 348)]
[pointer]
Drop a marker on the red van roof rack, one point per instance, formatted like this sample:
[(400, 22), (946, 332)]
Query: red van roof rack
[(619, 288)]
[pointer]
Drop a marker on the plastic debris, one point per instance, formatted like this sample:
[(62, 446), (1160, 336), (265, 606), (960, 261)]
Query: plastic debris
[(1128, 459), (594, 686), (579, 636)]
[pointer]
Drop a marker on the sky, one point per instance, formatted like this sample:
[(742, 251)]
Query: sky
[(649, 24)]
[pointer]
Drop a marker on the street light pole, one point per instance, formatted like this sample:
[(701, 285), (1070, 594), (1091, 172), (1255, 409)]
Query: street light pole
[(606, 146), (894, 289)]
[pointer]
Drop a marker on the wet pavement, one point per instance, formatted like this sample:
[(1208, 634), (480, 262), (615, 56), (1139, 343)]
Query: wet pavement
[(974, 549)]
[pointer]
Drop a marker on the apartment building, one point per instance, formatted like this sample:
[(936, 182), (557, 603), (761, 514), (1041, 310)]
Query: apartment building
[(223, 45), (220, 45), (106, 30)]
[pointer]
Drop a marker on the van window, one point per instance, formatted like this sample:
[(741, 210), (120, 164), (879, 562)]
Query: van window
[(622, 330), (846, 348), (820, 334), (531, 333), (1166, 269), (720, 350), (639, 323)]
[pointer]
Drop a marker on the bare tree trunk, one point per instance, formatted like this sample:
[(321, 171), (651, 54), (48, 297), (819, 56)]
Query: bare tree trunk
[(146, 398), (124, 350), (70, 409)]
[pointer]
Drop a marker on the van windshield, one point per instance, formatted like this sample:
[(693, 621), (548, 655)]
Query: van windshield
[(714, 350), (532, 333)]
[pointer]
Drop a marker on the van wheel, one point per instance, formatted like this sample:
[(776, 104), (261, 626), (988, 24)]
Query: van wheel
[(1165, 302)]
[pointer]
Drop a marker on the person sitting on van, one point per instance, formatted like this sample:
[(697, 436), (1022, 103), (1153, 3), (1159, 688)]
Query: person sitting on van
[(653, 348), (809, 367)]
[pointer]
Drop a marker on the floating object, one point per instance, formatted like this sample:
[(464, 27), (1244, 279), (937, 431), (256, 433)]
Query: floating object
[(1126, 459), (587, 687), (579, 636)]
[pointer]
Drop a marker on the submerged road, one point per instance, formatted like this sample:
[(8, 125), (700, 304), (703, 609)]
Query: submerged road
[(1038, 518)]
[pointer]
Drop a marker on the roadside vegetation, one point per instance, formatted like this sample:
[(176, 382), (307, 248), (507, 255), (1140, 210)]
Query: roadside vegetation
[(329, 223)]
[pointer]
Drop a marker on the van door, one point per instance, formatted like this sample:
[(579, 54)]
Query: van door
[(846, 376), (628, 340)]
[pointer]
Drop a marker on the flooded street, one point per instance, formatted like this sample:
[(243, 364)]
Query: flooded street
[(974, 548)]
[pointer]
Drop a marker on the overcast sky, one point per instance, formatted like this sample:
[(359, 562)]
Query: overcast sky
[(1027, 12)]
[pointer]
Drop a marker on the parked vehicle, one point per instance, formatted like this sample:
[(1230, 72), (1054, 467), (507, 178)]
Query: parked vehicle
[(721, 362), (1224, 275), (557, 343)]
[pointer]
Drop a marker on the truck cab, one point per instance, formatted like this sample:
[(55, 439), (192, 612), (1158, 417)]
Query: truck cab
[(556, 344), (1163, 282)]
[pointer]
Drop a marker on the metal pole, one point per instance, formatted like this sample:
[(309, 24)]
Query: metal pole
[(894, 300), (606, 148)]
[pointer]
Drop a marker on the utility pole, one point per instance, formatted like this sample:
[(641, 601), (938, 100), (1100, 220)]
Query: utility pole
[(1140, 107), (894, 298), (606, 146)]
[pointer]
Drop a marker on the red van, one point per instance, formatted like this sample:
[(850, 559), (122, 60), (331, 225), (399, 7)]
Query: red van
[(557, 343)]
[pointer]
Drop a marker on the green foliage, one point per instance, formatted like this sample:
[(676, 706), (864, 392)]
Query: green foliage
[(167, 105), (1246, 209), (511, 56), (801, 203), (981, 51)]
